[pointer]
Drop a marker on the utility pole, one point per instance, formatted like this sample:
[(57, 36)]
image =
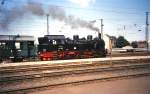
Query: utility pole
[(147, 31), (124, 32), (102, 28), (47, 24), (100, 32)]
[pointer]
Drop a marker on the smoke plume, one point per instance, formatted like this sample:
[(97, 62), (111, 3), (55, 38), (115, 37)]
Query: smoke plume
[(35, 8)]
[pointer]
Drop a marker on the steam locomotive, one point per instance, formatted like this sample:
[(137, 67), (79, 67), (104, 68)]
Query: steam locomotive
[(52, 47)]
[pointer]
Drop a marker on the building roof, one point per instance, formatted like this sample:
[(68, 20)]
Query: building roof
[(16, 38)]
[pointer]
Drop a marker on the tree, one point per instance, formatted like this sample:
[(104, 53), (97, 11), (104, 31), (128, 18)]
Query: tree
[(134, 44), (121, 42)]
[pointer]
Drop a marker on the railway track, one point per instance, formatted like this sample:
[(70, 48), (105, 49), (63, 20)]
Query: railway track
[(58, 72), (46, 87), (24, 83), (26, 70), (51, 65)]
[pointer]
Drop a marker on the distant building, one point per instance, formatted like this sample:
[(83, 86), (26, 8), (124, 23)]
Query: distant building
[(142, 44), (113, 41), (109, 39)]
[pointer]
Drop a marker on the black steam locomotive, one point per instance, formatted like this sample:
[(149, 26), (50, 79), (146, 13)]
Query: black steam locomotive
[(53, 47)]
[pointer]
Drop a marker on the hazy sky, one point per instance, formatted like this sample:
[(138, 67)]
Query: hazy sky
[(69, 17)]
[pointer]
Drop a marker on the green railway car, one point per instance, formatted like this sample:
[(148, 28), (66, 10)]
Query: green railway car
[(16, 48)]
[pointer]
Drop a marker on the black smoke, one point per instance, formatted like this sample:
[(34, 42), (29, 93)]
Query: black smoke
[(36, 8)]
